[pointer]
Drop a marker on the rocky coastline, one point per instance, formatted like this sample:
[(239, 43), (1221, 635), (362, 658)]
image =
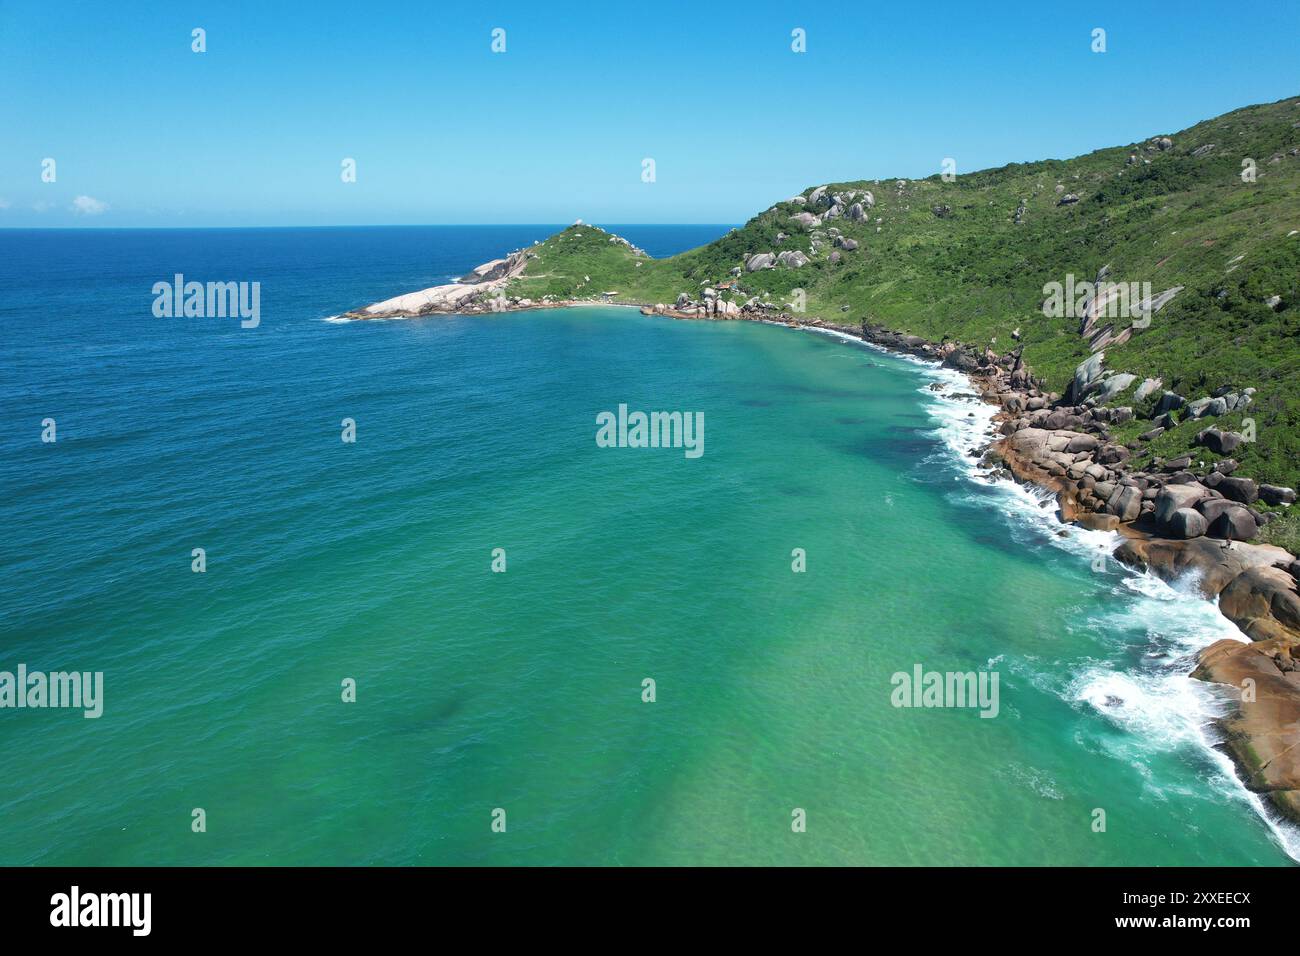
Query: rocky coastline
[(1174, 523), (1178, 518)]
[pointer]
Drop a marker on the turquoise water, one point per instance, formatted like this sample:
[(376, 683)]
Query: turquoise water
[(523, 690)]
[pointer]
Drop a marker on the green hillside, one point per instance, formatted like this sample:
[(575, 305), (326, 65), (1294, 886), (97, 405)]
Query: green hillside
[(969, 259)]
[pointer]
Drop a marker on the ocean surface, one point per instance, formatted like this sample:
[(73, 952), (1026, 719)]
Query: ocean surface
[(522, 691)]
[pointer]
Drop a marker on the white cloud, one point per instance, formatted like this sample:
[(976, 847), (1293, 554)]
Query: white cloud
[(88, 206), (4, 203)]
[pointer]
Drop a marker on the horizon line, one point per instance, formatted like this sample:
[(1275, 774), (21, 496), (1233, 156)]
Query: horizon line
[(423, 225)]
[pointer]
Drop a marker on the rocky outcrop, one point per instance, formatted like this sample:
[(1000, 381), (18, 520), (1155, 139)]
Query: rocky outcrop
[(1222, 402), (476, 286), (1219, 442), (1158, 301), (440, 298), (1101, 392), (488, 272), (1256, 589), (1215, 567), (1089, 371), (1147, 387), (1277, 495), (1263, 733), (1180, 525)]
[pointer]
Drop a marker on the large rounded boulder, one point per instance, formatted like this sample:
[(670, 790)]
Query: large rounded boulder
[(1187, 523)]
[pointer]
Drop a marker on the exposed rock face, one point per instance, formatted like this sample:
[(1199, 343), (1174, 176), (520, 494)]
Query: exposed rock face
[(439, 298), (1081, 443), (1213, 507), (480, 282), (1206, 406), (1186, 523), (792, 258), (488, 271), (1174, 498), (1254, 589), (1159, 301), (761, 260), (1147, 387), (961, 360), (1125, 503), (1262, 735), (1221, 443), (1106, 389), (1262, 600), (1170, 402), (1231, 524), (1277, 495), (1089, 371), (1221, 404), (1238, 489)]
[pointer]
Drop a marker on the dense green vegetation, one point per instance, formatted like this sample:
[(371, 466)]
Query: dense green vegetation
[(1181, 215)]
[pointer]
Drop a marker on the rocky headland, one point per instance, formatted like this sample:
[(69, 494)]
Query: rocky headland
[(472, 292), (483, 289)]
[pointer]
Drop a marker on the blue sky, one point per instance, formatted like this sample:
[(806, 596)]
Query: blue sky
[(146, 132)]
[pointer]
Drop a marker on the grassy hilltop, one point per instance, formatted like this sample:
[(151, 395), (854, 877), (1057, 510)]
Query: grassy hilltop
[(968, 260)]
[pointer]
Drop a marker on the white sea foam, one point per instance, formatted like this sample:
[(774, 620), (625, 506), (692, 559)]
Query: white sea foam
[(1153, 700)]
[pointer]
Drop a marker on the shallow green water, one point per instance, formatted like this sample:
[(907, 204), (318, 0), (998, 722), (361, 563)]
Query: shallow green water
[(523, 690)]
